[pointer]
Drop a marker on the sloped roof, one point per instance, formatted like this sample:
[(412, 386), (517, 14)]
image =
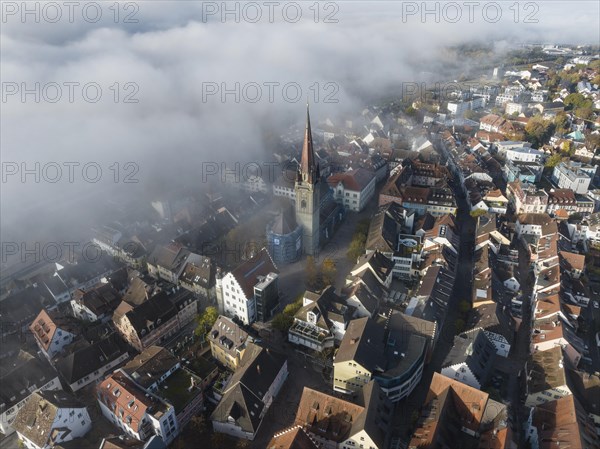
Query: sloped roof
[(362, 343), (84, 360), (26, 371), (248, 272), (101, 300), (150, 365), (354, 180), (293, 438), (242, 400), (36, 418)]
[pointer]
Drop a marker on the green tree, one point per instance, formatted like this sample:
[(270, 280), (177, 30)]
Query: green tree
[(478, 213), (561, 122), (206, 320), (293, 307), (585, 112), (538, 131), (282, 322), (470, 114), (577, 100), (567, 148), (553, 160), (328, 271), (359, 240), (592, 141)]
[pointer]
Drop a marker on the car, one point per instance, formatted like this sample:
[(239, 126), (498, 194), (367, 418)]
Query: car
[(596, 305)]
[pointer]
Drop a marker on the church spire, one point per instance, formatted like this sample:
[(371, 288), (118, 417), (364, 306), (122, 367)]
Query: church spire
[(309, 170)]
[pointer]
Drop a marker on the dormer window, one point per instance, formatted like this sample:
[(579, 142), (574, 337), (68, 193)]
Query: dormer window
[(312, 317)]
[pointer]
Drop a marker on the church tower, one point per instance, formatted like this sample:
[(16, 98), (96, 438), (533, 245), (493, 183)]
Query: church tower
[(307, 190)]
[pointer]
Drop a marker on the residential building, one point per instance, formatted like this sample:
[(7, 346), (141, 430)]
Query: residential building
[(139, 413), (363, 300), (471, 359), (546, 379), (335, 422), (82, 274), (53, 332), (152, 322), (572, 263), (561, 423), (527, 172), (572, 176), (497, 203), (227, 342), (376, 263), (522, 154), (321, 321), (294, 437), (457, 415), (199, 278), (496, 124), (158, 372), (49, 418), (535, 224), (526, 198), (250, 392), (127, 442), (498, 324), (250, 292), (433, 295), (561, 199), (96, 304), (131, 251), (168, 261), (383, 351), (86, 363), (354, 188), (26, 375)]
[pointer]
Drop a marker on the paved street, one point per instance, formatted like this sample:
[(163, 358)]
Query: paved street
[(292, 279), (462, 291), (302, 373)]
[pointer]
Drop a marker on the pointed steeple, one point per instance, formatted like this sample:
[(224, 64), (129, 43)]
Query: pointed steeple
[(309, 170)]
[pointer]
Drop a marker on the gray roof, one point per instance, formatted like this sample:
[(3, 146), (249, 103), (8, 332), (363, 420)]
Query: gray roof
[(27, 371), (228, 335), (149, 366), (362, 343), (35, 419), (84, 360), (243, 398), (476, 350)]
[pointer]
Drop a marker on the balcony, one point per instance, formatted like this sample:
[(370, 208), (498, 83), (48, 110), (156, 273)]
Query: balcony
[(309, 332)]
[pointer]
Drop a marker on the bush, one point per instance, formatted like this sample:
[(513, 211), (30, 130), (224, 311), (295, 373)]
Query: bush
[(206, 321), (478, 213)]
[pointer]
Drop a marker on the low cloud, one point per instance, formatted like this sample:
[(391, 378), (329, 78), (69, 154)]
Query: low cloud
[(175, 53)]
